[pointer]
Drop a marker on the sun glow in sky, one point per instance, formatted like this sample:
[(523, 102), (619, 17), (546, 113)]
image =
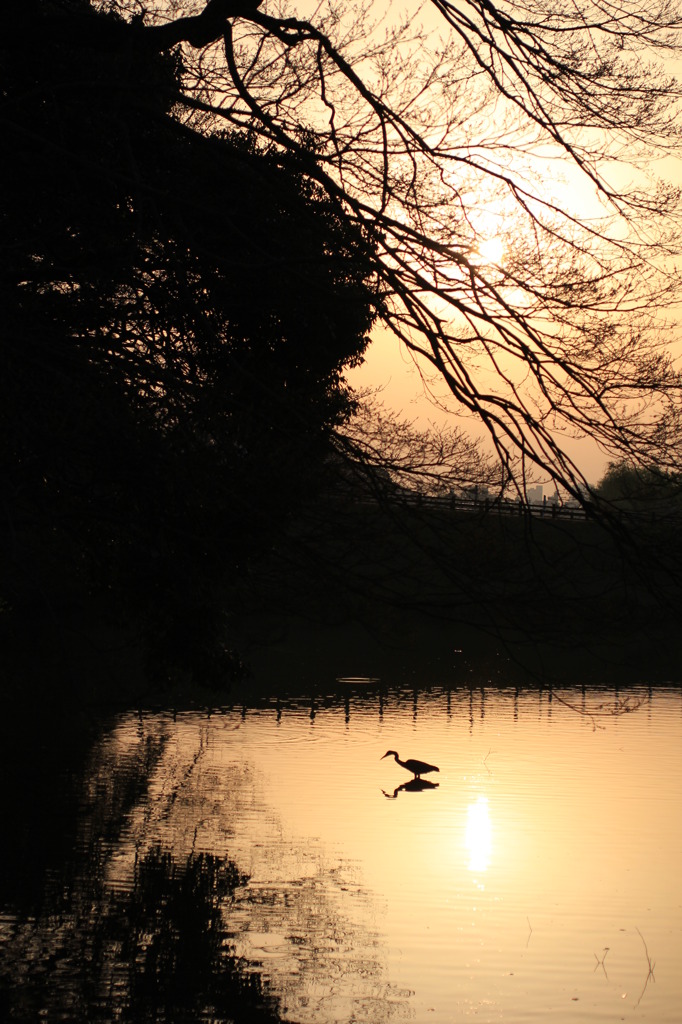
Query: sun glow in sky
[(491, 250), (498, 236), (412, 387), (422, 397)]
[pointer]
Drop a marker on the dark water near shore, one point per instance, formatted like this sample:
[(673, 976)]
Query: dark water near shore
[(262, 861)]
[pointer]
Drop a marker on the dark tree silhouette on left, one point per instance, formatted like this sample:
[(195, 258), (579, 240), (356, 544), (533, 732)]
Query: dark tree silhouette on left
[(178, 311)]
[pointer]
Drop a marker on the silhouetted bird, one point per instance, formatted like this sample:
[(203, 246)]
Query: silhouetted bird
[(418, 768)]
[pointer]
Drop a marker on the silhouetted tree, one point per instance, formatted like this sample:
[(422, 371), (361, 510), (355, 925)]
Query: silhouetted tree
[(179, 308), (485, 149), (206, 206), (639, 487)]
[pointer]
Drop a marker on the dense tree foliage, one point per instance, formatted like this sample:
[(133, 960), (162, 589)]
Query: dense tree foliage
[(177, 314), (640, 488)]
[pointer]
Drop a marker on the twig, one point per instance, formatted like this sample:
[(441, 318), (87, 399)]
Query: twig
[(652, 965), (600, 963)]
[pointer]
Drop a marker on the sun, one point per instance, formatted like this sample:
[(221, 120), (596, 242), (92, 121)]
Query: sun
[(491, 250)]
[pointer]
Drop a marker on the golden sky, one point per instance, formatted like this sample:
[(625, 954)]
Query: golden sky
[(390, 371)]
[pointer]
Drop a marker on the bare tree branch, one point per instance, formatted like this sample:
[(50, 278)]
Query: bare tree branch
[(199, 30), (517, 125)]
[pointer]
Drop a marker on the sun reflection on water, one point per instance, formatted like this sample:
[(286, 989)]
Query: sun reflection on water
[(478, 836)]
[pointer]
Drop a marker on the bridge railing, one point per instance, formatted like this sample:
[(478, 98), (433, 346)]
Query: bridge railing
[(547, 509)]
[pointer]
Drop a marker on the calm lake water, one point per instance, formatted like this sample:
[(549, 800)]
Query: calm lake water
[(265, 861)]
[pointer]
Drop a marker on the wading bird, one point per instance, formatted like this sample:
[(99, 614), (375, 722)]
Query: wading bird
[(418, 768)]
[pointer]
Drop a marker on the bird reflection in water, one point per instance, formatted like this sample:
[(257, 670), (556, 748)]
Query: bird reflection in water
[(413, 786)]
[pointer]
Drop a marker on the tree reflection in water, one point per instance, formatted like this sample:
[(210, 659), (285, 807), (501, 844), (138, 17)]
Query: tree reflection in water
[(94, 947), (143, 917), (175, 946)]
